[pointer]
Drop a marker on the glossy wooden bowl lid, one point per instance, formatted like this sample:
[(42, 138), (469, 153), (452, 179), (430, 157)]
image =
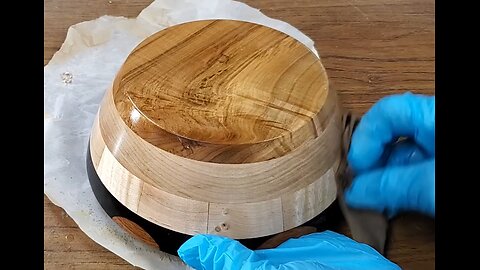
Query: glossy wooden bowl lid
[(221, 127), (223, 91)]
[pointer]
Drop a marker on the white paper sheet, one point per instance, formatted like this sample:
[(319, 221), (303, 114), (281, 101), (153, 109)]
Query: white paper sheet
[(92, 53)]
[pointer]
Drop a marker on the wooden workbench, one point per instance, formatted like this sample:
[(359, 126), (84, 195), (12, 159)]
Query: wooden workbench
[(370, 48)]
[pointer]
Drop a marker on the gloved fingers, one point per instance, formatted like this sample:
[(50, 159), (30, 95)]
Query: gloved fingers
[(406, 152), (326, 250), (395, 188), (329, 249), (405, 115), (401, 153), (301, 265)]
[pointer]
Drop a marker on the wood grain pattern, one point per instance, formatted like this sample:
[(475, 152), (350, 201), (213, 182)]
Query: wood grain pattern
[(135, 230), (225, 91), (260, 89), (370, 48), (206, 181), (160, 207), (278, 239), (242, 219), (190, 184), (302, 205)]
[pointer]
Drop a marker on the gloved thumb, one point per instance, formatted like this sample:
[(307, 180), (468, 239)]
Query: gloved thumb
[(395, 188), (214, 253)]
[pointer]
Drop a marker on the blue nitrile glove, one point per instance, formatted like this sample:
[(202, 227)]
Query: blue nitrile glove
[(326, 250), (395, 177)]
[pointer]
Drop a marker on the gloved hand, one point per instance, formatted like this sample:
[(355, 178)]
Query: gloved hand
[(395, 177), (391, 177), (326, 250)]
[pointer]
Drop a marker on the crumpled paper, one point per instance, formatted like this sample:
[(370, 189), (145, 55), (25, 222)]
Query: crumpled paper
[(92, 53)]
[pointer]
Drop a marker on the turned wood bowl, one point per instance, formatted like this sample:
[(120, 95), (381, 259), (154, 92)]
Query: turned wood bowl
[(218, 126)]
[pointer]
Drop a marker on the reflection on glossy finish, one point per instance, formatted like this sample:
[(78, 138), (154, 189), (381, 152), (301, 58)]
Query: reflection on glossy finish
[(134, 116), (224, 91)]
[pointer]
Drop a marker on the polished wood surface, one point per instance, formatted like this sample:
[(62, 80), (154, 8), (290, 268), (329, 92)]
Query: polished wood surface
[(224, 91), (191, 196), (223, 83), (369, 48), (134, 229)]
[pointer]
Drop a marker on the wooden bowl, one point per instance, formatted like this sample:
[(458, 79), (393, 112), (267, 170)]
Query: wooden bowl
[(221, 127)]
